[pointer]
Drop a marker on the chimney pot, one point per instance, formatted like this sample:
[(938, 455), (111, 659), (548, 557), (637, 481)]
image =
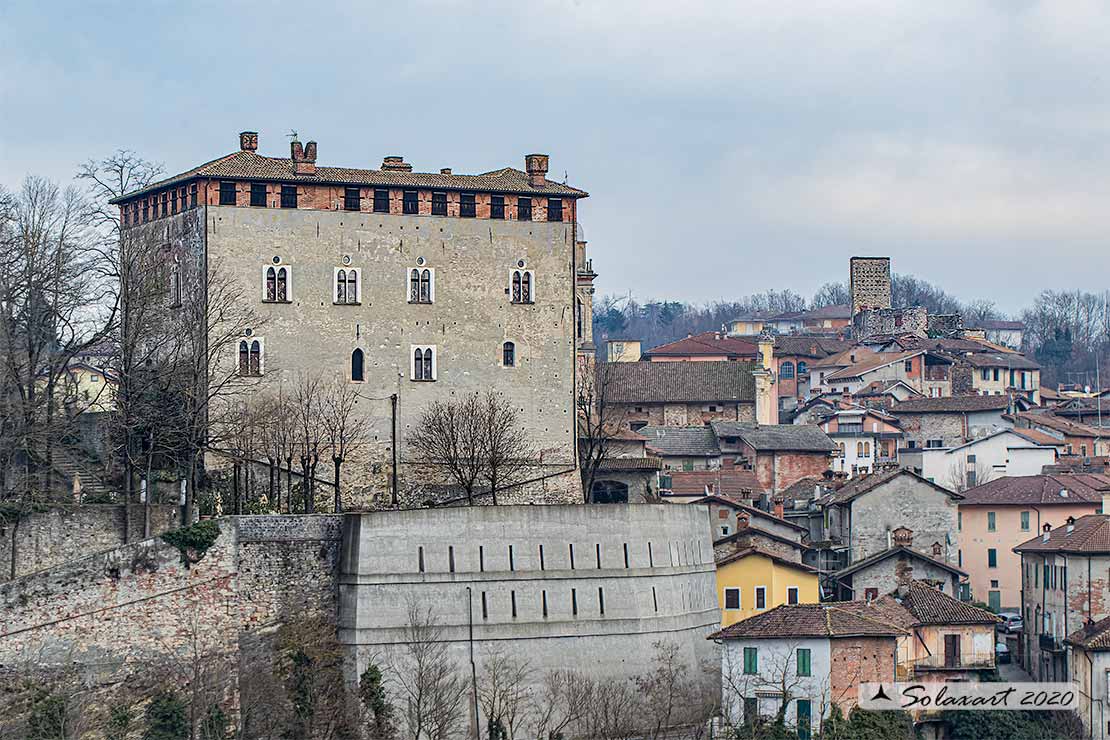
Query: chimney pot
[(779, 512), (396, 163), (445, 171), (536, 167), (304, 157), (248, 141)]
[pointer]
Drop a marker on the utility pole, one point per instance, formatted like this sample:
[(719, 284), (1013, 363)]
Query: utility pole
[(473, 670)]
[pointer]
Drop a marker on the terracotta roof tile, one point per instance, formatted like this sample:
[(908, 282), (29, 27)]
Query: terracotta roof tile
[(781, 437), (731, 483), (862, 484), (676, 382), (243, 165), (871, 363), (951, 404), (806, 620), (1094, 636), (1091, 534), (777, 559), (688, 441), (1068, 427), (707, 343), (1039, 490)]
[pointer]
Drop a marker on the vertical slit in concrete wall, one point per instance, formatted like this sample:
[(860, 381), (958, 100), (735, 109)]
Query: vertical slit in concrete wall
[(420, 553), (654, 598), (601, 600), (571, 547), (651, 557), (625, 554), (597, 551), (574, 601), (481, 558), (543, 597), (485, 610), (541, 558), (451, 558), (512, 560), (512, 601)]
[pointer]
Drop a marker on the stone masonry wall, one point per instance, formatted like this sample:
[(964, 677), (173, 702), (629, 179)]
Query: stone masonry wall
[(870, 283), (59, 534), (903, 501)]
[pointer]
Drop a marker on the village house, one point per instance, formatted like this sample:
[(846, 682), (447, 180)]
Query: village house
[(676, 394), (827, 319), (951, 640), (1005, 333), (866, 439), (779, 454), (1001, 373), (1090, 668), (884, 394), (928, 373), (1078, 439), (735, 525), (683, 448), (1002, 513), (820, 653), (1064, 586), (896, 566), (708, 346), (622, 350), (948, 422), (751, 580), (1007, 452), (862, 515)]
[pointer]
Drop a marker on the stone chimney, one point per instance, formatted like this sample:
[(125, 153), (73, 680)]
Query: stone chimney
[(394, 163), (248, 141), (902, 537), (445, 171), (742, 520), (304, 158), (937, 550), (536, 167)]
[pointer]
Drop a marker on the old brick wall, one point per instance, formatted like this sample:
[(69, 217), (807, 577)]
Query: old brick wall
[(62, 533), (780, 470), (857, 660)]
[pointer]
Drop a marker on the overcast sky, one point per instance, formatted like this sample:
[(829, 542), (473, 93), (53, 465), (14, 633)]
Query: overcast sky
[(727, 147)]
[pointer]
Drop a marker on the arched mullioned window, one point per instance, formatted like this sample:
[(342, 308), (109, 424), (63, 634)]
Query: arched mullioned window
[(786, 370), (526, 287), (516, 286), (244, 358), (271, 284), (175, 285), (357, 363), (256, 358), (867, 449), (508, 354), (341, 286), (282, 284), (414, 286), (859, 449), (352, 286), (418, 363), (426, 286)]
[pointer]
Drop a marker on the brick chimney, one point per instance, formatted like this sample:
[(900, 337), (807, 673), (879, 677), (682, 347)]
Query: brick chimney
[(445, 171), (779, 510), (394, 163), (248, 141), (742, 520), (304, 158), (536, 167)]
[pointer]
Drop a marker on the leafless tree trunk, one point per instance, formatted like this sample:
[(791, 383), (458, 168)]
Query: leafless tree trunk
[(449, 436), (505, 694), (429, 684), (599, 423), (507, 449), (342, 429)]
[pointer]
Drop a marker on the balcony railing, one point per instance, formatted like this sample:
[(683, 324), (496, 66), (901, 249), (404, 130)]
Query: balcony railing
[(1050, 643), (947, 662)]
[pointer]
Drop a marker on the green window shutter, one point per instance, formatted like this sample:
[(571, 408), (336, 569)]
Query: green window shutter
[(804, 662), (990, 521), (1025, 521), (751, 661), (992, 558)]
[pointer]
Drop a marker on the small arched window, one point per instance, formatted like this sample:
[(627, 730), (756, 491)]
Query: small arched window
[(802, 369), (418, 363), (508, 354), (841, 446), (357, 362), (341, 286), (282, 284), (786, 370), (859, 449), (244, 358), (526, 287), (867, 449), (423, 367), (414, 286), (271, 284), (516, 286), (256, 358)]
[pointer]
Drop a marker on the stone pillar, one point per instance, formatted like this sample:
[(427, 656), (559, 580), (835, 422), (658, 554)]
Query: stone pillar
[(766, 402)]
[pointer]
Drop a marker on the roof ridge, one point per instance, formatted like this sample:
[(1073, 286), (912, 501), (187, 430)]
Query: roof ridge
[(866, 618)]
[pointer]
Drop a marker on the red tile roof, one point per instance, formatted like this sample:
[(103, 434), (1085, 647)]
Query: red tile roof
[(706, 344), (951, 405), (723, 482), (777, 559), (1039, 490), (1090, 534), (1059, 424), (1094, 636), (806, 620)]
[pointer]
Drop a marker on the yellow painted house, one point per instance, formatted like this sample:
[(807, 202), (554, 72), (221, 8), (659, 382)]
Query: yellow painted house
[(750, 581)]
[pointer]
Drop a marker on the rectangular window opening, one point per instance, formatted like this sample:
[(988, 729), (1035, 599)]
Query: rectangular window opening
[(381, 201), (288, 196), (410, 202), (420, 555), (554, 209), (258, 194), (523, 209), (352, 199), (497, 206), (439, 204), (227, 195), (485, 609), (451, 558), (601, 600), (466, 205)]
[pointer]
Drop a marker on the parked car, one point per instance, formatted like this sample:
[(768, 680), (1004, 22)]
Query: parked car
[(1001, 653), (1011, 622)]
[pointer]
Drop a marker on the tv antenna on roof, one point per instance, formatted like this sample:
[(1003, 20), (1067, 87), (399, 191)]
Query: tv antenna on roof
[(292, 135)]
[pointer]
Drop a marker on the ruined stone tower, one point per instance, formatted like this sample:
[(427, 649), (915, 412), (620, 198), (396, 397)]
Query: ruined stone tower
[(870, 283)]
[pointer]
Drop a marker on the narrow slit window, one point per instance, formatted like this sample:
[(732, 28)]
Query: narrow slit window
[(420, 558), (651, 557), (654, 599), (574, 601), (626, 555), (481, 559), (601, 600), (451, 558), (512, 559), (357, 366), (541, 558), (512, 602), (571, 548), (485, 608), (597, 553), (543, 599)]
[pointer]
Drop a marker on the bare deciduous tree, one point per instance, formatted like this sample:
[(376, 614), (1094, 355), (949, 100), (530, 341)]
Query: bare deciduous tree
[(599, 425), (505, 694), (343, 430), (429, 684)]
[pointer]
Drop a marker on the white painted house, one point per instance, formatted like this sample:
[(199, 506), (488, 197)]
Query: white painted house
[(1005, 453)]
